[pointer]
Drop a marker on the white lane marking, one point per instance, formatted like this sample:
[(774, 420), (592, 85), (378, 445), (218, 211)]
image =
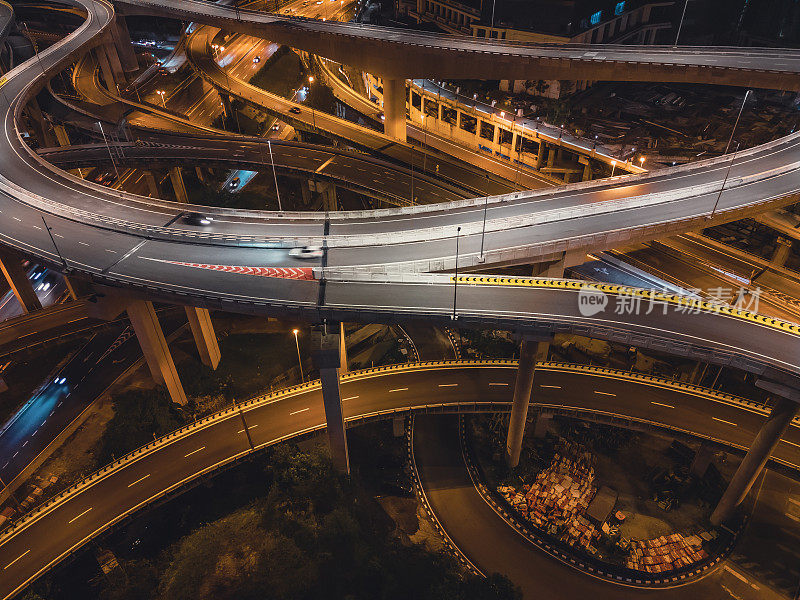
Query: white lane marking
[(5, 465), (662, 404), (604, 393), (350, 398), (138, 480), (25, 443), (16, 559), (498, 384), (112, 251), (34, 433), (741, 577), (398, 390), (83, 243), (194, 451), (448, 384), (555, 387), (15, 454), (248, 427), (297, 412), (724, 421), (79, 516), (790, 443)]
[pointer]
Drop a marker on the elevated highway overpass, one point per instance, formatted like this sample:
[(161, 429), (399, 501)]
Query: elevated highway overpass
[(131, 241), (396, 53), (60, 527)]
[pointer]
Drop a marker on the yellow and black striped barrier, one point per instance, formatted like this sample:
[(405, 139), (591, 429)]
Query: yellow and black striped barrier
[(689, 305)]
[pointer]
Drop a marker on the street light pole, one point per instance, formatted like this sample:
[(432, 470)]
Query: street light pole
[(299, 360), (52, 239), (727, 147), (680, 24), (483, 231), (455, 279), (111, 156), (613, 167), (724, 181), (275, 175)]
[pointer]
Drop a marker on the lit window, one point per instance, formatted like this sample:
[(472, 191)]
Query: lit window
[(619, 8), (595, 18)]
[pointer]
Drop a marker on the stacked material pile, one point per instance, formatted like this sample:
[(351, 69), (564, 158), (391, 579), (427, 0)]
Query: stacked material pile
[(580, 533), (559, 496), (665, 553)]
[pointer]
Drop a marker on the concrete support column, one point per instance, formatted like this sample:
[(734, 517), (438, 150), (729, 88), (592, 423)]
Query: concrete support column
[(587, 172), (765, 441), (542, 422), (152, 184), (541, 153), (226, 104), (154, 347), (106, 70), (61, 136), (40, 124), (123, 45), (702, 460), (176, 177), (204, 337), (522, 398), (305, 190), (394, 108), (329, 201), (327, 361), (11, 266), (200, 174), (77, 286), (342, 350), (782, 251), (113, 60)]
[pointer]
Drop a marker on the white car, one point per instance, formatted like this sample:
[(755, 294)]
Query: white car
[(306, 252)]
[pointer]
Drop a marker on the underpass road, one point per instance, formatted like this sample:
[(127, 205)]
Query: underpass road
[(69, 524), (495, 547)]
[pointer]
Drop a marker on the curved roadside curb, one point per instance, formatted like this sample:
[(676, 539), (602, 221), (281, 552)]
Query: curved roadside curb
[(423, 499), (561, 552)]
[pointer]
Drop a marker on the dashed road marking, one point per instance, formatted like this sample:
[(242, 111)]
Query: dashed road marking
[(79, 516), (194, 451), (297, 412), (138, 480), (16, 559)]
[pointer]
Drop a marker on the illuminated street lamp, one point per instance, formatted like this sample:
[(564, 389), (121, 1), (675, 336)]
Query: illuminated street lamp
[(162, 93), (613, 167), (299, 360), (310, 79), (641, 161)]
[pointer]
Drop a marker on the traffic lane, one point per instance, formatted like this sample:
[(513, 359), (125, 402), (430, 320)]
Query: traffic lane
[(628, 224), (386, 179), (702, 279), (284, 29), (68, 525), (731, 335), (54, 533), (663, 405)]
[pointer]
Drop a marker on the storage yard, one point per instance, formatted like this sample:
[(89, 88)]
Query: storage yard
[(575, 487)]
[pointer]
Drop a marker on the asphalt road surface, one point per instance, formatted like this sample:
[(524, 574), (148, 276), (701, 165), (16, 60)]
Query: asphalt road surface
[(69, 524)]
